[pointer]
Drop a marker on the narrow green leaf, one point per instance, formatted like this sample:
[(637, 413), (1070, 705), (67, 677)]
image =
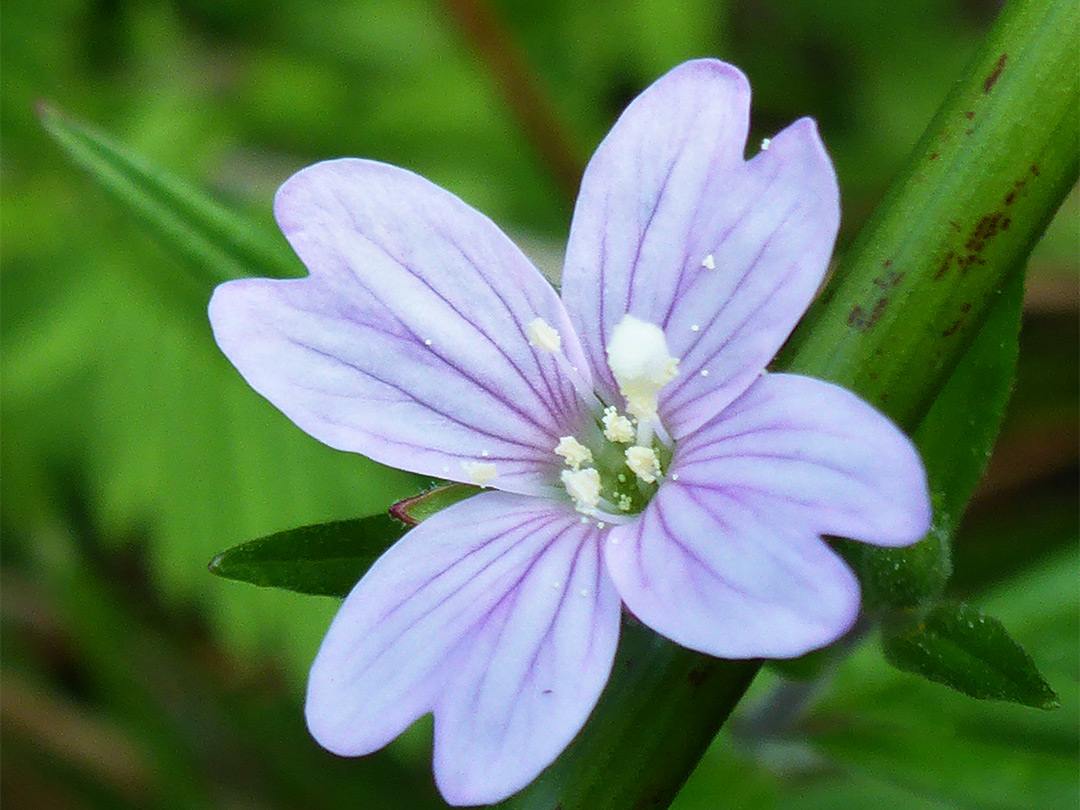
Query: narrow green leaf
[(326, 559), (214, 241), (420, 507), (956, 645), (958, 433)]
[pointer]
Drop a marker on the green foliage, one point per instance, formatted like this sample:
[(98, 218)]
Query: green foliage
[(877, 736), (326, 559), (922, 317), (943, 746), (955, 439), (956, 645), (216, 243)]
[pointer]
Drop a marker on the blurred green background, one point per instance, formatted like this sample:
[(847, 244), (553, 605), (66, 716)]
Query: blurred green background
[(132, 452)]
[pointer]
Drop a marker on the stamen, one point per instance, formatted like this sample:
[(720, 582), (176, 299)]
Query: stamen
[(573, 452), (547, 339), (644, 463), (617, 428), (543, 336), (644, 432), (583, 486), (479, 472)]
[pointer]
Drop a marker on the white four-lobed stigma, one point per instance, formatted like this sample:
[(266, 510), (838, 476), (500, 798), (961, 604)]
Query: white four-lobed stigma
[(639, 359)]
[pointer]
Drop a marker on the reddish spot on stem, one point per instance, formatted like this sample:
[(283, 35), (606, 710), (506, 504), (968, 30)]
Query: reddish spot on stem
[(863, 321), (953, 327), (985, 229), (889, 279), (969, 114), (995, 74), (943, 268)]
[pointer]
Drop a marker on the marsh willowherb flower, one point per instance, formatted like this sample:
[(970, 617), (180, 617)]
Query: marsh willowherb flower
[(635, 451)]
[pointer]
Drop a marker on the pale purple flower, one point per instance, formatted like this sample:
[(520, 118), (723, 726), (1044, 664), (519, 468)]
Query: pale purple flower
[(688, 485)]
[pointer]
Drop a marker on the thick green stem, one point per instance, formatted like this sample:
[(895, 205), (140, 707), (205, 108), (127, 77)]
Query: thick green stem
[(958, 225), (982, 184)]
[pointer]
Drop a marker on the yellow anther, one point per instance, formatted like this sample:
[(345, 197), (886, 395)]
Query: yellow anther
[(617, 428), (479, 472), (573, 452), (543, 336), (643, 462), (583, 486)]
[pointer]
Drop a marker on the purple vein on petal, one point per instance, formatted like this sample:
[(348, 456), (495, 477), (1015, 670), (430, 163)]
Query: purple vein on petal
[(689, 279), (426, 283), (535, 523), (425, 402), (563, 397), (510, 600)]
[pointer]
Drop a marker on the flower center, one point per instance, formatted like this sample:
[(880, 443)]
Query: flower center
[(616, 465)]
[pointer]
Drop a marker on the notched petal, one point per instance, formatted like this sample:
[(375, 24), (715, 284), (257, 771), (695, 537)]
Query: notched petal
[(495, 614), (408, 342), (770, 231), (642, 196), (674, 227)]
